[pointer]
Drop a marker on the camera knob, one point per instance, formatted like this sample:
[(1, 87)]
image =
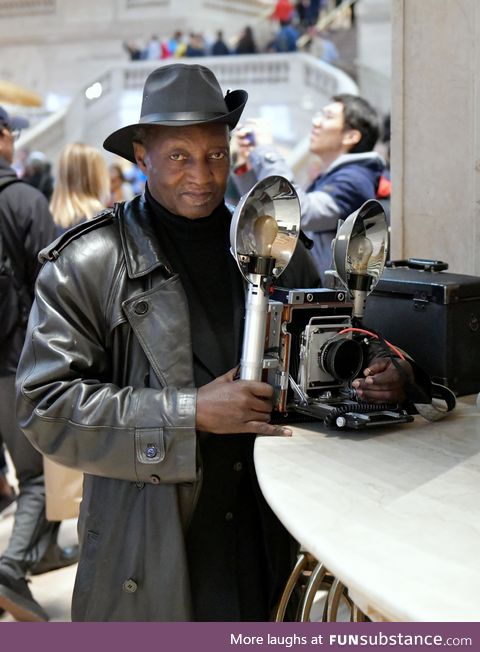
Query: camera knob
[(341, 422)]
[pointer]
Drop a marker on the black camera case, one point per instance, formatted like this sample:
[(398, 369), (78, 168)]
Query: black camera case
[(435, 317)]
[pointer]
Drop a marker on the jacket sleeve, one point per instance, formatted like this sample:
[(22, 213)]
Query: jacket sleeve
[(320, 212), (40, 233), (69, 409), (34, 224)]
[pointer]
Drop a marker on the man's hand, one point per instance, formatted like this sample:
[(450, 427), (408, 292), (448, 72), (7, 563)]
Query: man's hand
[(227, 406), (256, 131), (382, 382)]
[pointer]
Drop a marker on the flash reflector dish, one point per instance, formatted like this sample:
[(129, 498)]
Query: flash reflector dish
[(266, 223), (361, 244)]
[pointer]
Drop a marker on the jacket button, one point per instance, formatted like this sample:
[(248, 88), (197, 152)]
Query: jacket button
[(229, 516), (130, 586), (238, 466), (151, 451), (154, 479), (139, 485), (141, 308)]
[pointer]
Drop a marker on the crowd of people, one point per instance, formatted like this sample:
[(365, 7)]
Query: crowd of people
[(119, 182), (146, 406), (289, 22)]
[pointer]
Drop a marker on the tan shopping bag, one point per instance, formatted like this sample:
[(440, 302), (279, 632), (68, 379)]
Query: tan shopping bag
[(63, 491)]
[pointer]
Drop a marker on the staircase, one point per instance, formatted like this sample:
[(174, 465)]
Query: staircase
[(286, 89)]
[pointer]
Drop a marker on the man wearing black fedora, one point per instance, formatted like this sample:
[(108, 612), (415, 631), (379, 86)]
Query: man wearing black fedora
[(129, 375)]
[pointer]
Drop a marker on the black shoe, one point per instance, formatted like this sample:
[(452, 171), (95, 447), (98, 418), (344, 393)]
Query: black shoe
[(55, 558), (17, 599)]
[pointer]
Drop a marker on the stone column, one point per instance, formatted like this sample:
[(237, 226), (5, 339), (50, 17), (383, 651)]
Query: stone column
[(435, 132)]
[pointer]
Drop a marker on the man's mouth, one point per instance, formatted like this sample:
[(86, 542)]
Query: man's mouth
[(198, 196)]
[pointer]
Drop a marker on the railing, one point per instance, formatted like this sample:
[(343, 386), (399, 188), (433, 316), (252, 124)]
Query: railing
[(297, 81)]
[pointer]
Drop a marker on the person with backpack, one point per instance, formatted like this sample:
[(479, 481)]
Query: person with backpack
[(26, 226)]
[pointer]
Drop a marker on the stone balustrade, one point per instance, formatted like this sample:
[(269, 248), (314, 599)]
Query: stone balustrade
[(285, 88)]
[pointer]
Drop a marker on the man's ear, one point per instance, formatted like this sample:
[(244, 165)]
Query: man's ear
[(140, 153), (2, 136), (351, 137)]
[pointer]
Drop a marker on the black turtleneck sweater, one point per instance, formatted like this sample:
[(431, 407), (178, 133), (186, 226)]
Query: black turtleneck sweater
[(227, 551), (198, 250)]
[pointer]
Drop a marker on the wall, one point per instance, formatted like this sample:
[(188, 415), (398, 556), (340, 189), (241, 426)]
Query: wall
[(435, 132), (374, 45)]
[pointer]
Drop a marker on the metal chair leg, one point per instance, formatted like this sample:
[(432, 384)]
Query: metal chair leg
[(357, 615), (300, 566), (316, 578), (335, 595)]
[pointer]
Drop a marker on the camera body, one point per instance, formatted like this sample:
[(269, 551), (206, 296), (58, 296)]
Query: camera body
[(312, 353)]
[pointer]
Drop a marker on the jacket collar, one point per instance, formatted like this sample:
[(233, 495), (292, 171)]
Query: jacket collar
[(143, 252), (362, 158), (6, 169)]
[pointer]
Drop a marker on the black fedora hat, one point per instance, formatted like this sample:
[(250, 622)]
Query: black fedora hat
[(178, 95)]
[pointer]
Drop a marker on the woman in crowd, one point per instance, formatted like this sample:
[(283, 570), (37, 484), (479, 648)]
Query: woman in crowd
[(246, 43), (120, 188), (82, 188)]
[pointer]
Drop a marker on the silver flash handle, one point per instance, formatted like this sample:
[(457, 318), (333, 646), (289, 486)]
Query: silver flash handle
[(359, 303), (253, 350)]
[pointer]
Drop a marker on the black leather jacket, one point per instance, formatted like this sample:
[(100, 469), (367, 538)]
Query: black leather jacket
[(27, 227), (105, 385)]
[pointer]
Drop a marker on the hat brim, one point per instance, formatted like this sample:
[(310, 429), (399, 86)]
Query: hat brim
[(121, 141)]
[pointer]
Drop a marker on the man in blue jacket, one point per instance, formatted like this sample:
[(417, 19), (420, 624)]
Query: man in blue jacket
[(343, 136)]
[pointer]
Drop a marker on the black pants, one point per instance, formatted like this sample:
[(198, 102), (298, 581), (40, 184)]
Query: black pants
[(32, 533)]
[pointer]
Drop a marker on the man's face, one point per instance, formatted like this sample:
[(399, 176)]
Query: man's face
[(187, 167), (327, 134), (6, 144)]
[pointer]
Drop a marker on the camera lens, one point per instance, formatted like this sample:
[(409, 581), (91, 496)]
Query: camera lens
[(341, 358)]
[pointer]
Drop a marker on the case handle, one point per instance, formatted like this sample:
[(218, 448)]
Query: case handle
[(419, 263)]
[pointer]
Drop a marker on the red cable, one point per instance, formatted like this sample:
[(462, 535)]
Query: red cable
[(361, 330)]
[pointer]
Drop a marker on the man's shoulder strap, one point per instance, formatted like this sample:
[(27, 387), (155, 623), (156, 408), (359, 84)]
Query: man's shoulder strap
[(52, 252), (7, 181), (4, 183)]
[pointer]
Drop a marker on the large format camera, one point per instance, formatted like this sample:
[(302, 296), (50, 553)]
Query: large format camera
[(313, 351), (309, 344)]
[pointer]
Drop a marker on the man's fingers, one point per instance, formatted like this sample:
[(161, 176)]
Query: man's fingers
[(257, 388), (376, 367), (268, 429), (380, 395), (370, 385), (259, 405), (384, 380)]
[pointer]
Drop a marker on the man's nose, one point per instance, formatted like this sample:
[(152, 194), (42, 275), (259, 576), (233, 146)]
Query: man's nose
[(200, 171), (317, 119)]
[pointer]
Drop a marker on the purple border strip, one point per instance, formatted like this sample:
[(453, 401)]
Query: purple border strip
[(228, 637)]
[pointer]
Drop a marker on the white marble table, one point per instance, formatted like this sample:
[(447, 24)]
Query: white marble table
[(393, 513)]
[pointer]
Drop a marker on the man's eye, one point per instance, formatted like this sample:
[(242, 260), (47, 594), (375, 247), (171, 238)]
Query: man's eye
[(218, 156), (176, 156)]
